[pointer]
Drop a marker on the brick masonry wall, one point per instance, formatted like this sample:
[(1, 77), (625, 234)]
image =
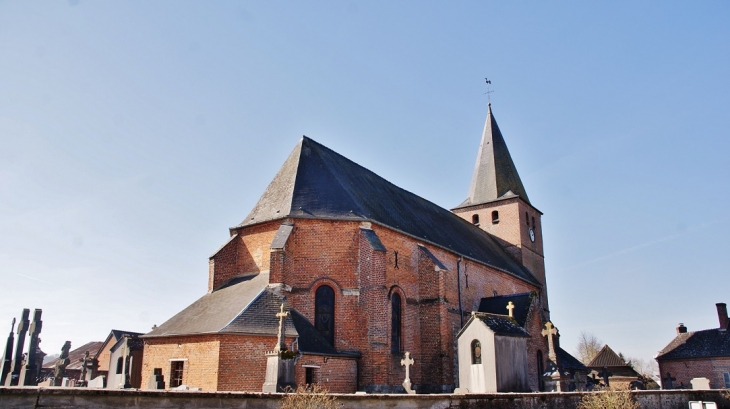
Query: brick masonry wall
[(201, 353), (249, 252), (683, 370), (337, 375)]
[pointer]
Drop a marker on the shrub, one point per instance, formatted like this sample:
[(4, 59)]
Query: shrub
[(610, 398), (311, 396)]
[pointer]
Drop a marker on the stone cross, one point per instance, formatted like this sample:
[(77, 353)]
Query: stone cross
[(281, 315), (510, 307), (549, 331), (84, 363), (407, 362), (605, 375), (668, 381), (29, 373), (14, 376)]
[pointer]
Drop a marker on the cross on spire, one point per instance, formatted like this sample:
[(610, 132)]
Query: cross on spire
[(281, 315), (549, 331), (489, 97), (510, 307)]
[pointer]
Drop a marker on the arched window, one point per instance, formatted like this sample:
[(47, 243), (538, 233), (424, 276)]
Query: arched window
[(527, 219), (540, 370), (324, 312), (495, 217), (476, 352), (120, 364), (395, 323), (475, 219)]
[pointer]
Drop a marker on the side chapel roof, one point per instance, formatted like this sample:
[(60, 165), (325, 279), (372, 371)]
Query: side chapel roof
[(698, 344), (499, 324), (498, 305), (316, 182), (495, 175)]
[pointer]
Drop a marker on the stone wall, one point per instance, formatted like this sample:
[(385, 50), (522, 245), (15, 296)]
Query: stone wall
[(82, 398)]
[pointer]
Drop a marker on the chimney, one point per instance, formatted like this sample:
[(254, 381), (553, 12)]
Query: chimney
[(722, 314), (681, 329)]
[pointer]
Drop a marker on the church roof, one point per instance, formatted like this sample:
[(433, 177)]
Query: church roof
[(316, 182), (567, 361), (698, 344), (606, 357), (499, 324), (495, 175), (75, 355), (498, 305), (244, 305)]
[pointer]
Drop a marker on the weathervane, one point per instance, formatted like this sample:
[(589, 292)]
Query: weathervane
[(489, 97)]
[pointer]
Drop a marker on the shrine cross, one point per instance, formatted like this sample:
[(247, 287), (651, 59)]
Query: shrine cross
[(281, 315), (510, 307), (549, 331), (407, 362)]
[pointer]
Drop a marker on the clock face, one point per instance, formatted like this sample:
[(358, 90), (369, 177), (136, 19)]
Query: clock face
[(532, 235)]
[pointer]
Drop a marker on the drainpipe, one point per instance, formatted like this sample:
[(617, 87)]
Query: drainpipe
[(458, 284)]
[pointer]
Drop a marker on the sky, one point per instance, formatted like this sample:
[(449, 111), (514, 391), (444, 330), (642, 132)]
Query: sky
[(134, 134)]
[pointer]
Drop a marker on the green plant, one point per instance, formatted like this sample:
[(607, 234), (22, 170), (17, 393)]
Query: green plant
[(310, 396), (609, 398)]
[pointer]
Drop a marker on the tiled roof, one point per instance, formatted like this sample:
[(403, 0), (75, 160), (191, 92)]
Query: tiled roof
[(316, 182), (606, 357), (698, 344), (568, 362), (75, 355), (498, 305), (260, 317)]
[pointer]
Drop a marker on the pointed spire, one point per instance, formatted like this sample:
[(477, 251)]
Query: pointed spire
[(495, 175)]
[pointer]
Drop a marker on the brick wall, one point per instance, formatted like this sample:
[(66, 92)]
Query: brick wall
[(248, 252), (242, 365), (337, 375), (200, 353), (683, 370)]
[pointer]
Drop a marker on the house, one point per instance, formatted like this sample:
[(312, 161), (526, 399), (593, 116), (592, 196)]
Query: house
[(697, 354), (609, 364)]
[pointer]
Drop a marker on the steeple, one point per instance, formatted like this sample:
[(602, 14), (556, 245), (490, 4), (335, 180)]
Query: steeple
[(495, 176)]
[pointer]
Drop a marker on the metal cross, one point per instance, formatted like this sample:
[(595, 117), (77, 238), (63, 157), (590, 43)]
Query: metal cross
[(489, 97), (510, 307), (407, 362), (280, 340), (549, 331)]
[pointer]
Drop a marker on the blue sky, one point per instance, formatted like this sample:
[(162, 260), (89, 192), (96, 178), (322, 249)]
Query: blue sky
[(133, 134)]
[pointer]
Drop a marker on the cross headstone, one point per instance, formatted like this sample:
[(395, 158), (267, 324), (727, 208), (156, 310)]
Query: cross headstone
[(510, 307), (605, 374), (29, 373), (407, 362), (668, 381), (8, 355), (14, 375), (548, 332), (84, 363), (281, 315)]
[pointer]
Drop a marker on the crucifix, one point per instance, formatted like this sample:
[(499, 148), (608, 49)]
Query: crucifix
[(281, 315), (407, 362), (668, 380), (605, 375), (549, 331), (510, 307)]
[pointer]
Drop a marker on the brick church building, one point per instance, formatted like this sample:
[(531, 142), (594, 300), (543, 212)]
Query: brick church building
[(367, 271)]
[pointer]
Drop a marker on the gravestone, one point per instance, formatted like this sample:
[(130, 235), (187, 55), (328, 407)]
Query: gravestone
[(14, 374), (29, 373), (63, 361), (97, 382), (700, 383), (8, 355), (668, 381), (157, 381), (407, 362), (605, 375), (279, 371), (551, 377)]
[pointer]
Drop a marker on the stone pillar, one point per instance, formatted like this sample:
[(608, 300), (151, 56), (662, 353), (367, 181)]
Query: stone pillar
[(8, 355), (279, 373), (14, 375)]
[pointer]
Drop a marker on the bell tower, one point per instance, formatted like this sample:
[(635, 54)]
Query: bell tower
[(498, 204)]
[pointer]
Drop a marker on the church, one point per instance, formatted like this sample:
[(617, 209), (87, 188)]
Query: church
[(367, 271)]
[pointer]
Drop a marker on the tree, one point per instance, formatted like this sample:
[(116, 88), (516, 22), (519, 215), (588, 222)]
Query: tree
[(588, 347)]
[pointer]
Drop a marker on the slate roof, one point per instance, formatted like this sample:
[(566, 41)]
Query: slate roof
[(498, 305), (260, 317), (500, 324), (75, 355), (697, 344), (316, 182), (495, 175), (214, 311), (606, 357), (568, 361)]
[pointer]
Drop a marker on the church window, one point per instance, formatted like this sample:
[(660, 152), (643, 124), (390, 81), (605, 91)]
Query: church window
[(176, 373), (476, 352), (120, 364), (540, 370), (495, 217), (527, 219), (395, 323), (309, 376), (475, 220), (324, 312), (726, 378)]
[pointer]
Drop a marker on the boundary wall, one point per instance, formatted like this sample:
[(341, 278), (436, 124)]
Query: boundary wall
[(83, 398)]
